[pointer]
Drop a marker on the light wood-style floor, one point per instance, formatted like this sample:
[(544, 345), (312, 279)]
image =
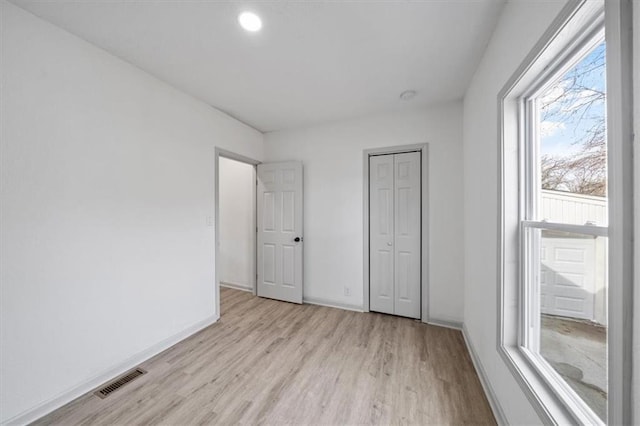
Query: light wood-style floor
[(269, 362)]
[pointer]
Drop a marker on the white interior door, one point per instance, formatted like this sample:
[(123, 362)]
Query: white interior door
[(395, 234), (280, 231)]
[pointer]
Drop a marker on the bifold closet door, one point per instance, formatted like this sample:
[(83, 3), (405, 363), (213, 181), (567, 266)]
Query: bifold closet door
[(407, 234), (394, 234), (381, 253)]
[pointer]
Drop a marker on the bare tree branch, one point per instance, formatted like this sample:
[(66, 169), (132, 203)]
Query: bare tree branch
[(575, 103)]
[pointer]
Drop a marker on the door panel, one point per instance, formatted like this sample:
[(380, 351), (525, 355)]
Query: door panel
[(279, 224), (268, 212), (269, 264), (381, 293), (568, 277), (407, 214), (288, 265), (395, 234), (288, 211)]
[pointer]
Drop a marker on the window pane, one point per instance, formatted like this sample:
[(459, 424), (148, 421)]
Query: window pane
[(570, 282), (573, 146)]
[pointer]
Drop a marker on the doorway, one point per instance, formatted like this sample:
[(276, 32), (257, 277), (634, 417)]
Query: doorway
[(396, 231), (235, 223), (267, 213)]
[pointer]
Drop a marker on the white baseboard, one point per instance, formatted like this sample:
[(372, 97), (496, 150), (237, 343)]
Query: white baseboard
[(484, 380), (456, 325), (236, 286), (48, 406), (332, 304)]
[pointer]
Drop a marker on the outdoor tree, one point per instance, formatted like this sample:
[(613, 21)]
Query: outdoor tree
[(575, 107)]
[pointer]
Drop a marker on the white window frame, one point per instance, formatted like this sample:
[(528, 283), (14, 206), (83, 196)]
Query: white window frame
[(529, 335), (573, 30)]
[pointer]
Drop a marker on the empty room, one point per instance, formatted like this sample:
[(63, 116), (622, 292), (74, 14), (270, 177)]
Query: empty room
[(319, 212)]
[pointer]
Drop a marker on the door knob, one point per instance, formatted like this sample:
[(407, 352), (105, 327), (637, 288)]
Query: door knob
[(297, 239), (389, 244)]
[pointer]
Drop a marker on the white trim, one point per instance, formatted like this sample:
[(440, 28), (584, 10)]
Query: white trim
[(424, 183), (576, 50), (619, 23), (331, 304), (455, 325), (108, 374), (580, 44), (494, 402), (219, 152), (593, 230), (236, 286), (535, 389), (576, 15), (560, 387)]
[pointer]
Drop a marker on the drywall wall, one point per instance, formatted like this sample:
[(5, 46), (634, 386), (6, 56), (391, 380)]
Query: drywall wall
[(519, 28), (237, 226), (107, 185), (332, 155)]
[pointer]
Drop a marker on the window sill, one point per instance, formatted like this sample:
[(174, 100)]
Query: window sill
[(548, 401)]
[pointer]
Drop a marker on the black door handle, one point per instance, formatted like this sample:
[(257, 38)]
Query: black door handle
[(297, 239)]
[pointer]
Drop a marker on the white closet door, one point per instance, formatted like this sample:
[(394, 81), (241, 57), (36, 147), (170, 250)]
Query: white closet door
[(381, 253), (280, 231), (407, 234), (395, 234)]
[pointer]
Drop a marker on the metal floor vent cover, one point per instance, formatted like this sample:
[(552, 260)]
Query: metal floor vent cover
[(119, 382)]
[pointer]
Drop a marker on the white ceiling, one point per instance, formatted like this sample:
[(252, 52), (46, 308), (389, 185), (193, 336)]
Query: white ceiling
[(313, 61)]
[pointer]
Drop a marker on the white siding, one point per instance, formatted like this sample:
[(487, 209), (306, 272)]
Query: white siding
[(576, 209)]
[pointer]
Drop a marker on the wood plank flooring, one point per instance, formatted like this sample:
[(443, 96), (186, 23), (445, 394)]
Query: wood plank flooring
[(270, 362)]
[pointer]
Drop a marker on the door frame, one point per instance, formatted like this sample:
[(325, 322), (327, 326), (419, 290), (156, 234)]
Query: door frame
[(424, 207), (219, 152)]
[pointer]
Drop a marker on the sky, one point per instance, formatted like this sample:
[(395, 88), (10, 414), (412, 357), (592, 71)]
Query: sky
[(568, 115)]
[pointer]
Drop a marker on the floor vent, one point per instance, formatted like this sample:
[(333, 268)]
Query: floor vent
[(116, 384)]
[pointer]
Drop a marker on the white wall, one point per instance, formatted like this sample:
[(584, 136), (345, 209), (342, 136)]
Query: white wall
[(237, 227), (519, 28), (107, 182), (332, 155)]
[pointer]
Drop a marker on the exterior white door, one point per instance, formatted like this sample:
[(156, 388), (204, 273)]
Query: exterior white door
[(394, 234), (568, 277), (280, 231)]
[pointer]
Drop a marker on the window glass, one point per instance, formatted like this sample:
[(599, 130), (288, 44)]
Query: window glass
[(573, 144), (572, 280), (567, 269)]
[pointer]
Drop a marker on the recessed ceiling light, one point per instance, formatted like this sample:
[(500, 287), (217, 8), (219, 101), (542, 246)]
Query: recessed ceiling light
[(408, 94), (250, 21)]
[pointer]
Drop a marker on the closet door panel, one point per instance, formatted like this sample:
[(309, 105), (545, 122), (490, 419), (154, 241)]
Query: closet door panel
[(407, 214), (381, 234)]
